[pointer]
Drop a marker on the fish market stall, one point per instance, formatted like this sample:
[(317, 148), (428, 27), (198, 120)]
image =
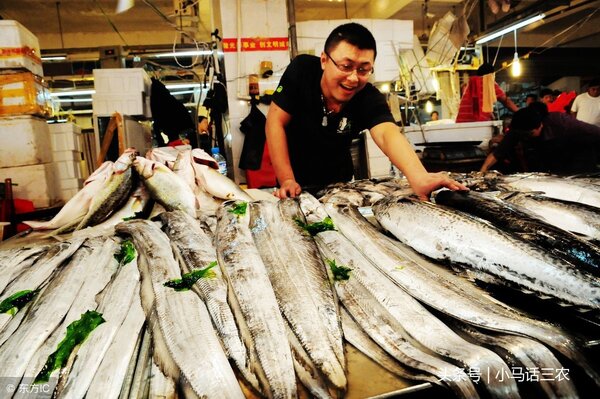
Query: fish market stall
[(164, 278)]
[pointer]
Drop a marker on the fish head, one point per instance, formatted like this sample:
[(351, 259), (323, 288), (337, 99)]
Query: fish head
[(125, 161)]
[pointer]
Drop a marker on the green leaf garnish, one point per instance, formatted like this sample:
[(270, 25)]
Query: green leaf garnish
[(239, 208), (126, 254), (136, 215), (17, 301), (339, 272), (77, 332), (188, 279), (315, 228)]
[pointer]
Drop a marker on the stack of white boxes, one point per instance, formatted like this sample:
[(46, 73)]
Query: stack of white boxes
[(66, 142), (126, 91), (25, 155)]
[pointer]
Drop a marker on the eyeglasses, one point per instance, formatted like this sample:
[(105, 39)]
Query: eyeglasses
[(349, 68)]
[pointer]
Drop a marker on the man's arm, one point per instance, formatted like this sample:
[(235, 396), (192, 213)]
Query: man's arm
[(393, 144), (508, 103), (489, 162), (277, 119)]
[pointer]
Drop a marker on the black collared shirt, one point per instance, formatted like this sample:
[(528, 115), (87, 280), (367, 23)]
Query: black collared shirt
[(321, 154)]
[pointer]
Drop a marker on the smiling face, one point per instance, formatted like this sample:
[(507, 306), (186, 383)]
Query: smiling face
[(337, 86)]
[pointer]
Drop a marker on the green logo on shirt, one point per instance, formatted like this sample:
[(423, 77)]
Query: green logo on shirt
[(279, 89)]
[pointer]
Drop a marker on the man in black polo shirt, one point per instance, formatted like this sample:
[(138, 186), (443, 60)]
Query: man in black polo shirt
[(321, 104)]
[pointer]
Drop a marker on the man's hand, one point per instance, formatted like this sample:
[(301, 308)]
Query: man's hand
[(432, 181), (289, 188)]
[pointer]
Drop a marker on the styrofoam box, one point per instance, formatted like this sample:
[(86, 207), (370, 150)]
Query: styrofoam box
[(66, 194), (19, 48), (24, 140), (70, 184), (128, 81), (379, 166), (65, 137), (68, 170), (127, 104), (480, 132), (36, 183), (69, 155)]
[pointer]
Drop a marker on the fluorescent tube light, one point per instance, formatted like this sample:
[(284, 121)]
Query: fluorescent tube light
[(74, 100), (176, 86), (181, 54), (53, 57), (508, 29), (72, 93)]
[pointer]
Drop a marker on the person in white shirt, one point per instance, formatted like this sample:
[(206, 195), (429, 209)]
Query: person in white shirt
[(586, 106)]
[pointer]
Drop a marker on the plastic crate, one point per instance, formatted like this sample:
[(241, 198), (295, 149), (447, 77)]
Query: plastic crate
[(19, 48)]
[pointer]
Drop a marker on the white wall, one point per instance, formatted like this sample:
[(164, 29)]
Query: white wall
[(259, 18)]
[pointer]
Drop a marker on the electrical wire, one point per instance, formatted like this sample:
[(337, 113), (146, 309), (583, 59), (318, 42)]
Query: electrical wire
[(110, 22)]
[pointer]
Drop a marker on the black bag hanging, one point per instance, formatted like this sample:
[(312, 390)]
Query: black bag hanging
[(170, 115), (253, 127)]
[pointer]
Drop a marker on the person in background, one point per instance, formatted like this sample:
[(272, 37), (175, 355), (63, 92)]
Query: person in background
[(204, 133), (542, 141), (586, 106), (480, 95), (531, 98), (547, 96), (435, 116), (321, 104)]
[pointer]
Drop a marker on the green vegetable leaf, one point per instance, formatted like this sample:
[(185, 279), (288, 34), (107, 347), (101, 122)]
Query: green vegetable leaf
[(126, 254), (77, 332), (17, 301), (315, 228), (339, 272), (239, 208), (188, 279), (136, 215)]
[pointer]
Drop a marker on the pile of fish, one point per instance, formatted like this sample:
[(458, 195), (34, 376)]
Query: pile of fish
[(168, 178), (263, 301)]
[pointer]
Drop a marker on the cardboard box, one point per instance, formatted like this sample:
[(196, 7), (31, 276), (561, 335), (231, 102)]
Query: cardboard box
[(19, 48), (24, 93), (24, 140), (35, 183)]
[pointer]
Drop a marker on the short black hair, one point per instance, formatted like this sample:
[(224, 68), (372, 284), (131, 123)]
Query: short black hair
[(526, 119), (546, 92), (534, 96), (485, 68), (434, 112), (594, 82), (201, 118), (353, 33), (540, 108)]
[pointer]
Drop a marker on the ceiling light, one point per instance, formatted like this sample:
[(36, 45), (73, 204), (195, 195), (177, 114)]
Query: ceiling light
[(53, 57), (429, 107), (508, 29), (183, 86), (191, 53), (74, 100), (72, 93), (515, 69)]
